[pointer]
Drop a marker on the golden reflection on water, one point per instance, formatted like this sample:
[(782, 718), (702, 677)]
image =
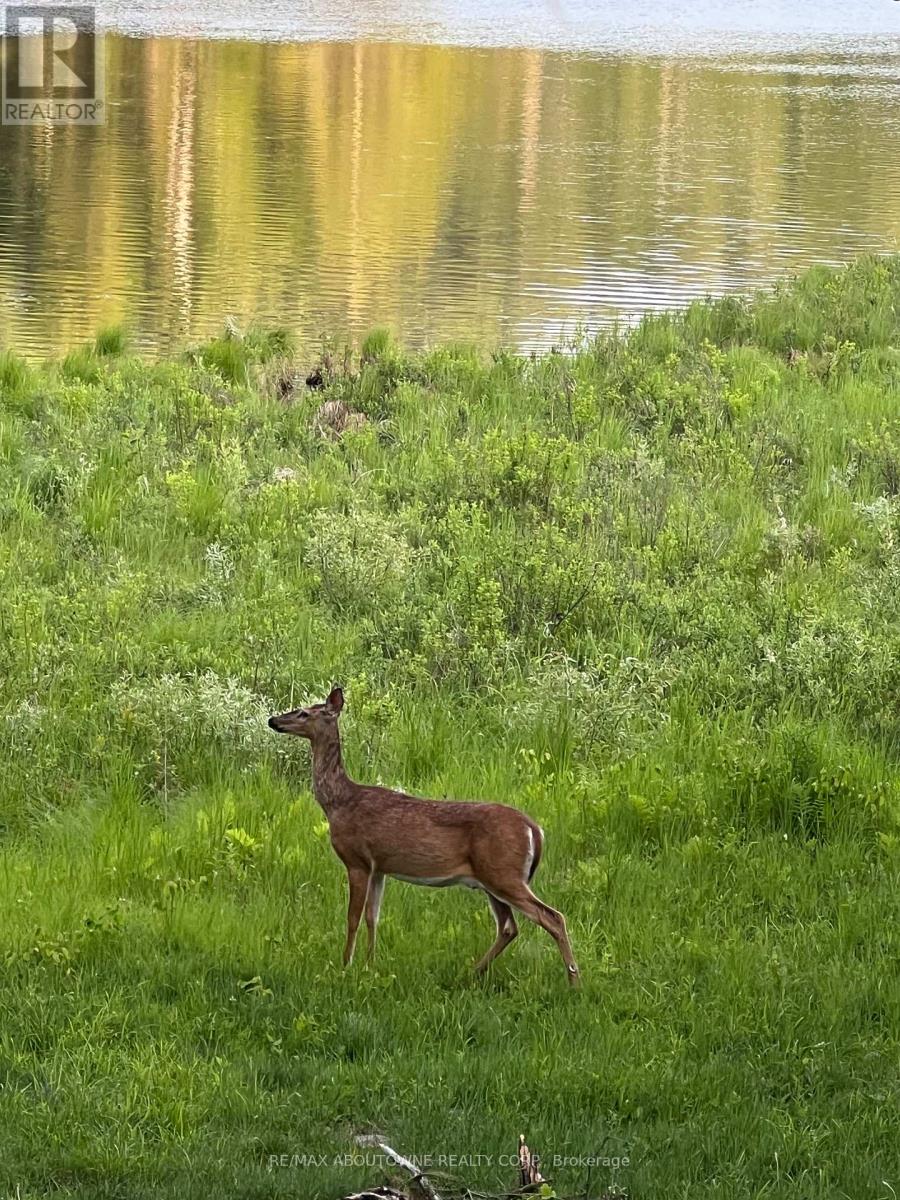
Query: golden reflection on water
[(488, 195)]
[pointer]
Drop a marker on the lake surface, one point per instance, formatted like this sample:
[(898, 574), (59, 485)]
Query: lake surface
[(497, 174)]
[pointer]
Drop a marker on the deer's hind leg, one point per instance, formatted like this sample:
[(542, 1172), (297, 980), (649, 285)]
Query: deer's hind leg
[(523, 898), (507, 931)]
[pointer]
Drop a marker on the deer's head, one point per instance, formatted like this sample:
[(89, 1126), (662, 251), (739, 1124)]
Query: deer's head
[(314, 720)]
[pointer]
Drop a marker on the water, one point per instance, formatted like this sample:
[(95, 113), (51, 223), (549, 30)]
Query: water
[(352, 170), (635, 26)]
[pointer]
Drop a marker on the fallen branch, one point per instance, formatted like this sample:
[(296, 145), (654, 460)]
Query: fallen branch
[(419, 1181), (378, 1193), (530, 1182)]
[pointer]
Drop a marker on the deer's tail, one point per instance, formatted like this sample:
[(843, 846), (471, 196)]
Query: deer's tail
[(537, 848)]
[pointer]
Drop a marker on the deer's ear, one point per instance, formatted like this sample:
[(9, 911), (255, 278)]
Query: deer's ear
[(335, 699)]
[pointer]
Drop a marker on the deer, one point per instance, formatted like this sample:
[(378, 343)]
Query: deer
[(378, 832)]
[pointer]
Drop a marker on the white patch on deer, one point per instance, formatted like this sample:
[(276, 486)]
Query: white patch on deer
[(441, 880), (529, 858)]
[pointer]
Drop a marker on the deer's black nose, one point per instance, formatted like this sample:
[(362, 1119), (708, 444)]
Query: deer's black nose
[(273, 723)]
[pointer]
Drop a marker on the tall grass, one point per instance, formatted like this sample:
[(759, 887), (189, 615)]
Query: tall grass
[(647, 591)]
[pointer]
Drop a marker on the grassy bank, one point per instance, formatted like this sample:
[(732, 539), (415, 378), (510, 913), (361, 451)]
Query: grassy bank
[(650, 592)]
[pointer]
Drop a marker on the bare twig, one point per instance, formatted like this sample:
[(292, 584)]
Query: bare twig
[(558, 617)]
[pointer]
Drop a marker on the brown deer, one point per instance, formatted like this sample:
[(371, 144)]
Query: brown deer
[(436, 843)]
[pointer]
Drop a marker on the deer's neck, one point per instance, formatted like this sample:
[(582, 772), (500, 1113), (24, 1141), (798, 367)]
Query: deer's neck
[(331, 783)]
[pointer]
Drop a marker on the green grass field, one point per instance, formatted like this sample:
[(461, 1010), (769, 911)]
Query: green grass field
[(649, 591)]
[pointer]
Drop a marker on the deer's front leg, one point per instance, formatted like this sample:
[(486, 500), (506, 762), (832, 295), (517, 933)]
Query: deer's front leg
[(373, 909), (359, 883)]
